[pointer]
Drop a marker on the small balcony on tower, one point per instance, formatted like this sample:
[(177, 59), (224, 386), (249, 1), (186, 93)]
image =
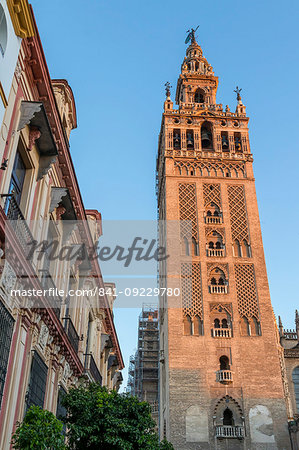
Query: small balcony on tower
[(221, 321), (224, 375), (215, 245), (213, 215), (217, 282), (229, 431)]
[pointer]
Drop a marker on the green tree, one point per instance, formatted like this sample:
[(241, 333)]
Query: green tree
[(100, 419), (39, 430)]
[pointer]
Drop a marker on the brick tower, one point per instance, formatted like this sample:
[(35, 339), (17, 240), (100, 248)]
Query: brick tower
[(220, 377)]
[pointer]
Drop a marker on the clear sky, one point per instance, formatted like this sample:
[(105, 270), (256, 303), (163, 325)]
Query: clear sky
[(117, 55)]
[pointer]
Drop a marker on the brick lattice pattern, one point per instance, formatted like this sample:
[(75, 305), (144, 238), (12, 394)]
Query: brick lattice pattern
[(188, 210), (205, 169), (246, 291), (212, 194), (191, 289), (238, 214)]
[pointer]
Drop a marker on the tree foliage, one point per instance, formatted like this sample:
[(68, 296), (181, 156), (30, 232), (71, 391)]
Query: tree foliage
[(39, 430), (99, 419)]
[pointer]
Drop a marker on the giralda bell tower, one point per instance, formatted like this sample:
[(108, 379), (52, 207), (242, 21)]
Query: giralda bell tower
[(220, 375)]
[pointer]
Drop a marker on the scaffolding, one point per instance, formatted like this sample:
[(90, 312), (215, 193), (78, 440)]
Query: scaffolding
[(143, 373)]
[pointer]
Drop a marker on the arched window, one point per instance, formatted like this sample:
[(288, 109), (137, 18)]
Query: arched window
[(254, 327), (224, 323), (238, 144), (216, 323), (246, 248), (244, 327), (224, 363), (197, 326), (186, 247), (211, 244), (190, 139), (228, 418), (224, 141), (295, 377), (218, 245), (213, 281), (194, 247), (237, 248), (199, 96), (187, 326), (221, 281), (177, 139), (206, 136), (209, 213), (3, 31)]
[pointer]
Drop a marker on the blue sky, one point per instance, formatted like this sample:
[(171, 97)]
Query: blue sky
[(118, 55)]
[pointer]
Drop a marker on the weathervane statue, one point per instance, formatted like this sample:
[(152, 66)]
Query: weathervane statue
[(238, 92), (167, 88), (191, 35)]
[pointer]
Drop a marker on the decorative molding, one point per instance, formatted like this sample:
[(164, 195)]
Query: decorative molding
[(223, 267), (43, 336), (57, 193), (226, 306), (3, 96), (45, 163), (28, 110), (8, 278), (21, 18)]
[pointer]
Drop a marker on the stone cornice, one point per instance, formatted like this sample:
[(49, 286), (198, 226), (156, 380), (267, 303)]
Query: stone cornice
[(21, 18)]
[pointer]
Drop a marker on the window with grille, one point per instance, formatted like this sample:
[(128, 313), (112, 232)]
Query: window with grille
[(37, 384), (6, 330), (61, 410)]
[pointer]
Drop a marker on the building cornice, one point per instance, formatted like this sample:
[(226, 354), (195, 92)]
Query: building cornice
[(21, 18), (3, 96)]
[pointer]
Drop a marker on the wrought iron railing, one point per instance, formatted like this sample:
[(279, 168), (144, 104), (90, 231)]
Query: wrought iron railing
[(18, 223), (6, 330), (227, 431), (92, 368), (71, 333)]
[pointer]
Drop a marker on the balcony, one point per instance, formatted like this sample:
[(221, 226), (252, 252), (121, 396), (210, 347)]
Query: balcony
[(213, 219), (217, 289), (224, 376), (18, 223), (71, 333), (227, 431), (92, 368), (218, 252), (221, 332)]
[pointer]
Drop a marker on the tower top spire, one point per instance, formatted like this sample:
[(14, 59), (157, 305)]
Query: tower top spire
[(191, 35)]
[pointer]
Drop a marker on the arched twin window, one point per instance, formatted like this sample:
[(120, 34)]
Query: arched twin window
[(186, 247), (192, 326)]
